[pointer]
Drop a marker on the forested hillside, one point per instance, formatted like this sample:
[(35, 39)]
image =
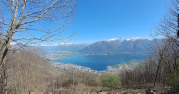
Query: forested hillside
[(28, 72)]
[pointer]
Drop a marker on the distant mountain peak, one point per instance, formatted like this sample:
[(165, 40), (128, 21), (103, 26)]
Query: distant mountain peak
[(133, 39), (121, 39), (112, 39)]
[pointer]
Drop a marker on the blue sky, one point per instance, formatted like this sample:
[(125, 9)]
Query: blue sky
[(98, 20)]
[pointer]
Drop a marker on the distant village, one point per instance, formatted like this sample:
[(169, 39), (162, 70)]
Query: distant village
[(110, 69)]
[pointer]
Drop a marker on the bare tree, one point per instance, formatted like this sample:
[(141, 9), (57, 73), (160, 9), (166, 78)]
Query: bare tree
[(167, 51), (34, 21)]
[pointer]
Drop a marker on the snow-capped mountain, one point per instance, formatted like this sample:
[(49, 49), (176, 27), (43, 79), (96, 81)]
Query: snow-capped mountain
[(134, 39), (116, 39), (119, 46), (122, 39)]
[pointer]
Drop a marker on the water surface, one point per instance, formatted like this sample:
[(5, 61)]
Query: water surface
[(100, 62)]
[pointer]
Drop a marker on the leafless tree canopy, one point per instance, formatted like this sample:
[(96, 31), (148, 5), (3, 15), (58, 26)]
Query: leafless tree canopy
[(33, 22), (47, 18), (163, 62), (168, 26)]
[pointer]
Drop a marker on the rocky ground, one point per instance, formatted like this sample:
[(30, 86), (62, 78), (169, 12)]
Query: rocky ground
[(81, 89)]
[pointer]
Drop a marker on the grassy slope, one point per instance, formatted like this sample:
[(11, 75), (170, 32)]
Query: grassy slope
[(29, 72), (132, 62)]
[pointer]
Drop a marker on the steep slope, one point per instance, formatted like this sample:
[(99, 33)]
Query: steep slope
[(119, 46), (29, 72)]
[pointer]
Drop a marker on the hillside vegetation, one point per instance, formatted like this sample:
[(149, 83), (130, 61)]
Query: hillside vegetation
[(132, 63), (28, 72)]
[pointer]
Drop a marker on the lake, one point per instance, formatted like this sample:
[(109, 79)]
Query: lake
[(100, 62)]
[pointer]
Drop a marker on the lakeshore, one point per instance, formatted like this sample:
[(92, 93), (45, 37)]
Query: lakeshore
[(74, 67)]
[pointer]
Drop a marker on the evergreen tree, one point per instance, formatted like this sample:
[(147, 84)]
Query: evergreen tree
[(112, 81)]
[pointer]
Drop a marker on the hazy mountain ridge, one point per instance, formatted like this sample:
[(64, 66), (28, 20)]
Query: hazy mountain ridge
[(61, 47), (119, 46), (69, 47)]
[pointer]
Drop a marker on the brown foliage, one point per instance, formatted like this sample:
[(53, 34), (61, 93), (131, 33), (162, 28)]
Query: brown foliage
[(28, 72)]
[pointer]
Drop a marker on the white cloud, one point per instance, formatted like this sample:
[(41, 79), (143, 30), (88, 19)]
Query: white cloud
[(66, 43), (58, 44), (49, 45), (12, 43)]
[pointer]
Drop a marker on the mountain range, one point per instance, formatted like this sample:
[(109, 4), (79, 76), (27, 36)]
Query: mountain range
[(61, 47), (65, 47), (133, 46), (120, 46)]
